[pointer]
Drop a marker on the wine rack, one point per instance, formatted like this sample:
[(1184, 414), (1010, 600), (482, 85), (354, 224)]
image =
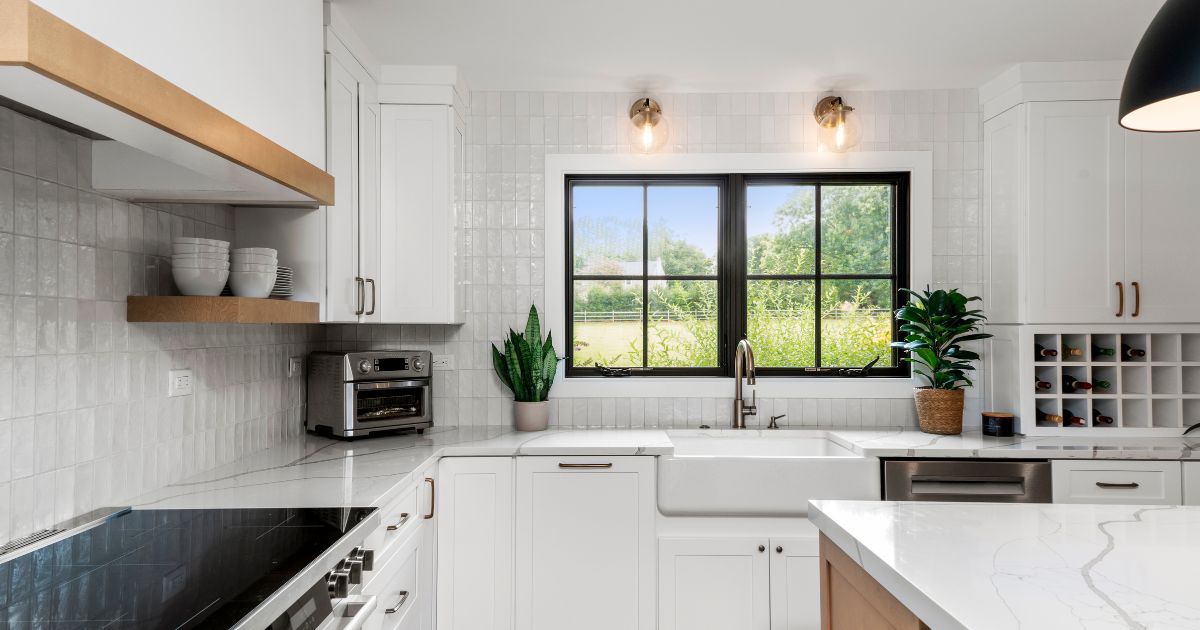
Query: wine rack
[(1157, 393)]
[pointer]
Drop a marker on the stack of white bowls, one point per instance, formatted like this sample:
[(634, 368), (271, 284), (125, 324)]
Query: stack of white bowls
[(252, 273), (200, 266)]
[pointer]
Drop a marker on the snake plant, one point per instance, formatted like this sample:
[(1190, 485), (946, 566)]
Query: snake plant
[(528, 364), (936, 324)]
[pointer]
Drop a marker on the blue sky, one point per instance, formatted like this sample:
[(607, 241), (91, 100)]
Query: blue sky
[(690, 211)]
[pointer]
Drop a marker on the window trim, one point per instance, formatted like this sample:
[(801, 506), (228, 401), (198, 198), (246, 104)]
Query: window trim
[(919, 164)]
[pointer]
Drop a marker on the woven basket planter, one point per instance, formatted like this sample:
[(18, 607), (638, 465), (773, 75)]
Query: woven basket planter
[(939, 410)]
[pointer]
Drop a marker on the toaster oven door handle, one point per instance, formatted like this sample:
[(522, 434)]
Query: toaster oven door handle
[(389, 385)]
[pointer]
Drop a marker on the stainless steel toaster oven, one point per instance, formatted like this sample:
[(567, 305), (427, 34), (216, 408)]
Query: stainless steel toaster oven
[(355, 394)]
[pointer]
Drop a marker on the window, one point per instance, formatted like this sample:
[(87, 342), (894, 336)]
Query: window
[(666, 273)]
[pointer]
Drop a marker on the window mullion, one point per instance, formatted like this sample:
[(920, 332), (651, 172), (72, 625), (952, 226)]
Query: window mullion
[(817, 279), (645, 273)]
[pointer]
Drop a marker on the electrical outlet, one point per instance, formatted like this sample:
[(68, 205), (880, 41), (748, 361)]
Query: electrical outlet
[(179, 382), (295, 366), (443, 361)]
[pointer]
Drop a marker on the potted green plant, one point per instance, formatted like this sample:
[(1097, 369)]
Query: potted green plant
[(936, 324), (527, 367)]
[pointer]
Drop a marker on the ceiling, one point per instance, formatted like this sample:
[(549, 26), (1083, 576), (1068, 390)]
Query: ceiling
[(742, 45)]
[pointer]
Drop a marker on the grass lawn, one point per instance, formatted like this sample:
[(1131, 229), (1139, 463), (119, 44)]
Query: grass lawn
[(604, 341)]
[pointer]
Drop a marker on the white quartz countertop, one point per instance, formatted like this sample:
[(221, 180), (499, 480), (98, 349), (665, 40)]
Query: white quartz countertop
[(311, 471), (985, 566)]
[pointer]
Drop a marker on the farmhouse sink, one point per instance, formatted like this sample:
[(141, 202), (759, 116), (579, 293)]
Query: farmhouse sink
[(759, 473)]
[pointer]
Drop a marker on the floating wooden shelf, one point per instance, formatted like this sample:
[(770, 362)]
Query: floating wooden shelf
[(220, 310)]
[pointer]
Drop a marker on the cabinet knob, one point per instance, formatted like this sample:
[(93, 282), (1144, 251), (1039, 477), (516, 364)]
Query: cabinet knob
[(779, 550), (762, 548)]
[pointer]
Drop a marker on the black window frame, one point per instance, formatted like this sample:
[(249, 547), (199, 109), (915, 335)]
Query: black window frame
[(732, 275)]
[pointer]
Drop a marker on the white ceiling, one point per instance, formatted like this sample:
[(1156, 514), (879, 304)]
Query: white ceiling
[(742, 45)]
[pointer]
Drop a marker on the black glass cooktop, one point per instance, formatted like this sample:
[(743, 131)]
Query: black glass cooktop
[(166, 568)]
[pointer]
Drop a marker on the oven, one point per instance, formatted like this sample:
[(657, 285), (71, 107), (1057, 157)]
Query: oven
[(356, 394)]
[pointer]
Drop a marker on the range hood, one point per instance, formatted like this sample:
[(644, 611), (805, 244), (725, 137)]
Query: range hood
[(156, 141)]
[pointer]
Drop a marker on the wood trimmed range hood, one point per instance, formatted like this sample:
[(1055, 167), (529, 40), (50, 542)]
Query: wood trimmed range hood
[(160, 142)]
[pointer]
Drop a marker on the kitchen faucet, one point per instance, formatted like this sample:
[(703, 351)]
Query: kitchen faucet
[(744, 355)]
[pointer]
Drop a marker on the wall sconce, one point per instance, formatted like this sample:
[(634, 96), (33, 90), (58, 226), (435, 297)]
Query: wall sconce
[(649, 130), (838, 126)]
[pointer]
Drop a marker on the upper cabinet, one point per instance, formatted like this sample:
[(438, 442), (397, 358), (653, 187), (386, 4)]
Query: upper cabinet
[(1086, 222), (176, 114)]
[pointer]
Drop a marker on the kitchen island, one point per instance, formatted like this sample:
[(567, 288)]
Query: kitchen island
[(983, 566)]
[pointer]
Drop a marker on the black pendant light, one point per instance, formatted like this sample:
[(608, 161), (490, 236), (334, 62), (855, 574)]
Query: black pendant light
[(1162, 85)]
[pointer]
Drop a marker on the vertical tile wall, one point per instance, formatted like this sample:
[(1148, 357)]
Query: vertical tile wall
[(503, 239), (84, 417)]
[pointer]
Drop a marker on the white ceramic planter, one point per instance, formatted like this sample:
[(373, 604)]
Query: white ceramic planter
[(531, 416)]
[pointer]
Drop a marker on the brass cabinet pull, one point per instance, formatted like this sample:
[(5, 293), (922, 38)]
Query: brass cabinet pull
[(432, 497), (566, 465), (403, 520), (1132, 485), (362, 296), (371, 281), (395, 609), (1120, 299), (1137, 299)]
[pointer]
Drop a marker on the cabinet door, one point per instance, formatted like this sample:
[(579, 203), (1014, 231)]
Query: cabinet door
[(1191, 483), (341, 219), (1076, 212), (1161, 226), (585, 543), (1117, 482), (795, 584), (417, 218), (713, 584), (475, 545), (368, 185)]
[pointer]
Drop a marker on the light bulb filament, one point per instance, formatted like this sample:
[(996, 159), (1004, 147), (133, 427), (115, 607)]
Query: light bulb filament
[(647, 136)]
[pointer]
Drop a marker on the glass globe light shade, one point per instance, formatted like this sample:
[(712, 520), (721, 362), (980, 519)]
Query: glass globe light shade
[(839, 128), (648, 128)]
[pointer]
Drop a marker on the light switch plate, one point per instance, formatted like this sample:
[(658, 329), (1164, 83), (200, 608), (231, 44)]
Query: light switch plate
[(443, 361), (295, 366), (179, 382)]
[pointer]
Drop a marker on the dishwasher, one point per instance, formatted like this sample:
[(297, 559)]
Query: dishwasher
[(971, 480)]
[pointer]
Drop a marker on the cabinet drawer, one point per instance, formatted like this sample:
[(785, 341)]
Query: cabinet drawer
[(399, 517), (396, 584), (1117, 482)]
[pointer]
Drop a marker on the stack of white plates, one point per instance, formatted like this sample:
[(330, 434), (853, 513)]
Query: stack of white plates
[(252, 272), (283, 284), (200, 266)]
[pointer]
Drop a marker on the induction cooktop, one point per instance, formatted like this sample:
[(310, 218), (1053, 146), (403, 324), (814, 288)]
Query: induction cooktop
[(145, 569)]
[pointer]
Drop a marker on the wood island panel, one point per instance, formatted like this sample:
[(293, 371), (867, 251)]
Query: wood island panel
[(852, 600)]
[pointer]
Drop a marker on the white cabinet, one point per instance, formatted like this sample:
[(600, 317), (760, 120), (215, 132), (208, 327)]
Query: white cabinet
[(1161, 225), (750, 583), (344, 220), (475, 544), (1117, 482), (795, 584), (403, 578), (421, 154), (1086, 222), (713, 584), (1191, 483), (585, 545)]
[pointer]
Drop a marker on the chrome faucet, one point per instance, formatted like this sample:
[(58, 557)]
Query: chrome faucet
[(743, 356)]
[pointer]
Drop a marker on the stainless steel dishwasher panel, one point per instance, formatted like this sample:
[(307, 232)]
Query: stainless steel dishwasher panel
[(967, 481)]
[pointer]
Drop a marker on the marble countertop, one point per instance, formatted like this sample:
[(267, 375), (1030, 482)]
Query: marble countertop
[(987, 566), (311, 471)]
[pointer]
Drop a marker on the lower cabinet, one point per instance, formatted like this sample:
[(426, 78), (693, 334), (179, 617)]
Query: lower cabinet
[(752, 583), (1191, 483), (403, 579), (585, 543), (1155, 482), (475, 544)]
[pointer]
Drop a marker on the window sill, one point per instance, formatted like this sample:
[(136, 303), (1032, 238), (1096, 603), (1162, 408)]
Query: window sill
[(720, 387)]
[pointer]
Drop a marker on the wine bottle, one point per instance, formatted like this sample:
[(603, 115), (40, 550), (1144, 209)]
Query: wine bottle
[(1068, 351), (1071, 384), (1040, 384), (1102, 384), (1048, 418), (1101, 351), (1099, 418), (1072, 420), (1129, 352), (1044, 352)]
